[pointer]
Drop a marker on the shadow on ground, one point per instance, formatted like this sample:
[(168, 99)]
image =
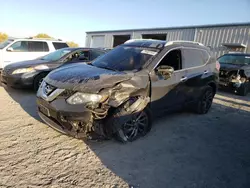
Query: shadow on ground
[(182, 150), (27, 100)]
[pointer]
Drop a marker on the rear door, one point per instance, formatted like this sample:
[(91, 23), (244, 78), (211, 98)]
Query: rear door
[(197, 72), (167, 93)]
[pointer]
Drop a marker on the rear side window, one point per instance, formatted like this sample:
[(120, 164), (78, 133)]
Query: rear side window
[(37, 46), (96, 53), (59, 45), (194, 58)]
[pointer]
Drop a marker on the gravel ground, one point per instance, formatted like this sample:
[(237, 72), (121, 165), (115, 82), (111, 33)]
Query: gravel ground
[(182, 150)]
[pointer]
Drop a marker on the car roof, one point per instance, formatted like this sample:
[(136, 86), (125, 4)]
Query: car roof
[(160, 44), (82, 48), (37, 39)]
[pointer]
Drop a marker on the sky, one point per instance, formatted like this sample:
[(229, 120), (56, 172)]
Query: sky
[(69, 20)]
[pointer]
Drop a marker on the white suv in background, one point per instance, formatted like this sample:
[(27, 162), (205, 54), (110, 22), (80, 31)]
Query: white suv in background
[(14, 50)]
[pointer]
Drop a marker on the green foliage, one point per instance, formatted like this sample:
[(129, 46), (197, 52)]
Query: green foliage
[(3, 37), (42, 35), (72, 44)]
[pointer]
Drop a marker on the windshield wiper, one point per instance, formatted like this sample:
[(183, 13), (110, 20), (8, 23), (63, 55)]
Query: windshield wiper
[(108, 68)]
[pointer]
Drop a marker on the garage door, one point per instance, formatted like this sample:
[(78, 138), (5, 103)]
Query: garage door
[(97, 41)]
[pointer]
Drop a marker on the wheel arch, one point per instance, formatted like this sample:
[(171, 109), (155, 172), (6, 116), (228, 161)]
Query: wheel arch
[(214, 86)]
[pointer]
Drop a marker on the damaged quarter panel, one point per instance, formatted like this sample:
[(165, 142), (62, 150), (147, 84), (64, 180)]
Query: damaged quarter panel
[(138, 85)]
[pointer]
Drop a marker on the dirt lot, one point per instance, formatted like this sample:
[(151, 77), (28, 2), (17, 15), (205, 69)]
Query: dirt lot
[(182, 150)]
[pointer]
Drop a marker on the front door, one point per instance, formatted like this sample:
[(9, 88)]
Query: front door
[(167, 93)]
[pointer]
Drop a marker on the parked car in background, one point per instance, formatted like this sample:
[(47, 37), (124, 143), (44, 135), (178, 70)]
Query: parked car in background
[(119, 92), (31, 73), (235, 72), (15, 50)]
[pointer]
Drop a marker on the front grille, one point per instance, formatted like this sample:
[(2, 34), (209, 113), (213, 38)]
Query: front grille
[(6, 71), (48, 89), (67, 93), (223, 73)]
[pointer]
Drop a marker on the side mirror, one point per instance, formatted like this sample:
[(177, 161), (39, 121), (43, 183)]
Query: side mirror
[(10, 49), (165, 71)]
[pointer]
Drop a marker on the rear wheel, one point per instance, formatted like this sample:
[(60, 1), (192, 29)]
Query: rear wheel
[(205, 101), (38, 80)]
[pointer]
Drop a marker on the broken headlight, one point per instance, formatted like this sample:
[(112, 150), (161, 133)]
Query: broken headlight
[(81, 98)]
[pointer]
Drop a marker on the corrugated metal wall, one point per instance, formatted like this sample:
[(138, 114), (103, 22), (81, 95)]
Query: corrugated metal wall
[(214, 37), (183, 34), (211, 36)]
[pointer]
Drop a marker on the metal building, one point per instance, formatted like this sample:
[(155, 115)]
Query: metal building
[(221, 38)]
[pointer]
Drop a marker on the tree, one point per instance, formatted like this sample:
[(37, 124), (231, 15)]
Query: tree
[(72, 44), (3, 37), (42, 35)]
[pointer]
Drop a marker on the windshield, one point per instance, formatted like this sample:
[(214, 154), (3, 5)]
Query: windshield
[(5, 43), (235, 59), (125, 58), (56, 55)]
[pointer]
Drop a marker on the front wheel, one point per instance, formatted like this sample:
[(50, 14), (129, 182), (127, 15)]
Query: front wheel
[(135, 126), (243, 90), (205, 101), (38, 80)]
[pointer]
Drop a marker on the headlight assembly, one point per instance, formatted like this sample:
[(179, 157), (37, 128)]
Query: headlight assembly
[(81, 98), (23, 70), (41, 67)]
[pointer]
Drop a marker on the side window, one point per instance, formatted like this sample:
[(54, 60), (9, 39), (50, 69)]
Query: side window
[(194, 57), (37, 46), (173, 59), (59, 45), (20, 46), (84, 56), (95, 54), (79, 56)]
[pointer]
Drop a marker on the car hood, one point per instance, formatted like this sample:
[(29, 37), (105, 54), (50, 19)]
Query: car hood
[(229, 67), (86, 78), (25, 64)]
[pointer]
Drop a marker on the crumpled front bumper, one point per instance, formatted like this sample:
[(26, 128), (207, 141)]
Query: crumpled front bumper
[(61, 116)]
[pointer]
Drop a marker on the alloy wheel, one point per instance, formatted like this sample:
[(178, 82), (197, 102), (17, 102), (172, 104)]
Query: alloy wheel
[(207, 101), (136, 127)]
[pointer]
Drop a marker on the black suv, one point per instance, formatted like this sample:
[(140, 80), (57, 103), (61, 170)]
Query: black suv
[(119, 92), (235, 72)]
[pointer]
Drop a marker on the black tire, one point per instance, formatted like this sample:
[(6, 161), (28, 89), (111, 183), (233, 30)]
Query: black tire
[(205, 101), (243, 90), (129, 127), (38, 80)]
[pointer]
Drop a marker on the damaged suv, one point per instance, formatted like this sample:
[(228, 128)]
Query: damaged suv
[(119, 92), (235, 72)]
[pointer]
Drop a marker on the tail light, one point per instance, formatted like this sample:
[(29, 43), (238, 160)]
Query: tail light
[(218, 65)]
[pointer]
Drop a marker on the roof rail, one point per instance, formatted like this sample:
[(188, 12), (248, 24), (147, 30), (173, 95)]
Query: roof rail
[(183, 41), (133, 40), (44, 38)]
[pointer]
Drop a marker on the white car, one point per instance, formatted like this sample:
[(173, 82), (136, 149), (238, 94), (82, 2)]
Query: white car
[(14, 50)]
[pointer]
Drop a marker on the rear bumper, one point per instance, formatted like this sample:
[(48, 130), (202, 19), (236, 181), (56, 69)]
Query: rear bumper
[(73, 121)]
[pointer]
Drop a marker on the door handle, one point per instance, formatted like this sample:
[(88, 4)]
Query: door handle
[(206, 71), (183, 79)]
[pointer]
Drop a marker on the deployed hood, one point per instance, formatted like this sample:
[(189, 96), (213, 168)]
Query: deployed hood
[(25, 64), (229, 67), (87, 78)]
